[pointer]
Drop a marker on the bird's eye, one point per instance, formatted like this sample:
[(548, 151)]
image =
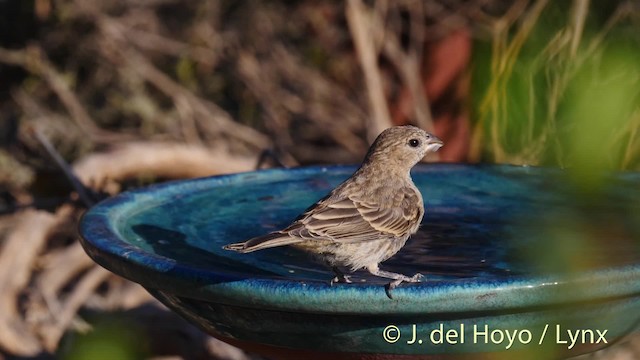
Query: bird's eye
[(414, 142)]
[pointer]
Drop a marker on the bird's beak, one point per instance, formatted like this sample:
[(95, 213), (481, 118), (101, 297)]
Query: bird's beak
[(434, 144)]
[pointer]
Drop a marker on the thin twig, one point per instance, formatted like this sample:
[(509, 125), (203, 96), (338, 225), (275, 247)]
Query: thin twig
[(360, 27), (87, 196)]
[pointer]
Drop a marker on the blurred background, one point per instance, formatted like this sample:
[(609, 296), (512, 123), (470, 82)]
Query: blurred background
[(135, 92)]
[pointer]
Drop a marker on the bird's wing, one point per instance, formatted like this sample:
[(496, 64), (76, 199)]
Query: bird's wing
[(355, 220)]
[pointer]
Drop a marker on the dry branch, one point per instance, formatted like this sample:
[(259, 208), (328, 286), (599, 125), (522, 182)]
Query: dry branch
[(115, 32), (59, 268), (159, 159), (361, 27), (64, 279), (34, 60), (17, 258), (84, 289), (407, 64), (322, 103)]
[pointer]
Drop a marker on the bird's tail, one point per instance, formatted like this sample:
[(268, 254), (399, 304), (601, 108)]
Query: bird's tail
[(263, 242)]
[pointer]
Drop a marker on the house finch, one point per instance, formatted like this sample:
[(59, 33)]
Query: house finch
[(369, 217)]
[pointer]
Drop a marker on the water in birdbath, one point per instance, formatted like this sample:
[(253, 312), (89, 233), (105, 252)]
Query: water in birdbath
[(490, 224)]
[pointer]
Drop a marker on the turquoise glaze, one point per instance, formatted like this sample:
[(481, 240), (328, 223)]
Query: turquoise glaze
[(512, 248)]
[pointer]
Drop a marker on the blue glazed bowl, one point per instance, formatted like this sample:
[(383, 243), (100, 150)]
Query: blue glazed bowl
[(516, 261)]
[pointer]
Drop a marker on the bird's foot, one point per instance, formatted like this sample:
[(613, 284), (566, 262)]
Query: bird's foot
[(340, 276), (346, 279), (394, 284), (397, 278)]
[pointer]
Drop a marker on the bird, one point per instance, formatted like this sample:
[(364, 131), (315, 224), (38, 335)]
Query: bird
[(366, 219)]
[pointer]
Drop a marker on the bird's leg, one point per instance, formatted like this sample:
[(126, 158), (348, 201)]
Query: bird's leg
[(397, 278), (340, 276)]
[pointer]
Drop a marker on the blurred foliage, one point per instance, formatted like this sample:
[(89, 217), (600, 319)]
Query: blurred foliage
[(108, 340), (561, 87)]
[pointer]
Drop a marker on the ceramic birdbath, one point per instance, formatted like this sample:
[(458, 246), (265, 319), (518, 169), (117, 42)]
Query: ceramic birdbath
[(516, 262)]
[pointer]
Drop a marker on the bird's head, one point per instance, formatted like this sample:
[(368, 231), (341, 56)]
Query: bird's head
[(402, 146)]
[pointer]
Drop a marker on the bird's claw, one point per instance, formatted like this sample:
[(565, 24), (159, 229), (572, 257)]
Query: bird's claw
[(346, 279), (390, 286)]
